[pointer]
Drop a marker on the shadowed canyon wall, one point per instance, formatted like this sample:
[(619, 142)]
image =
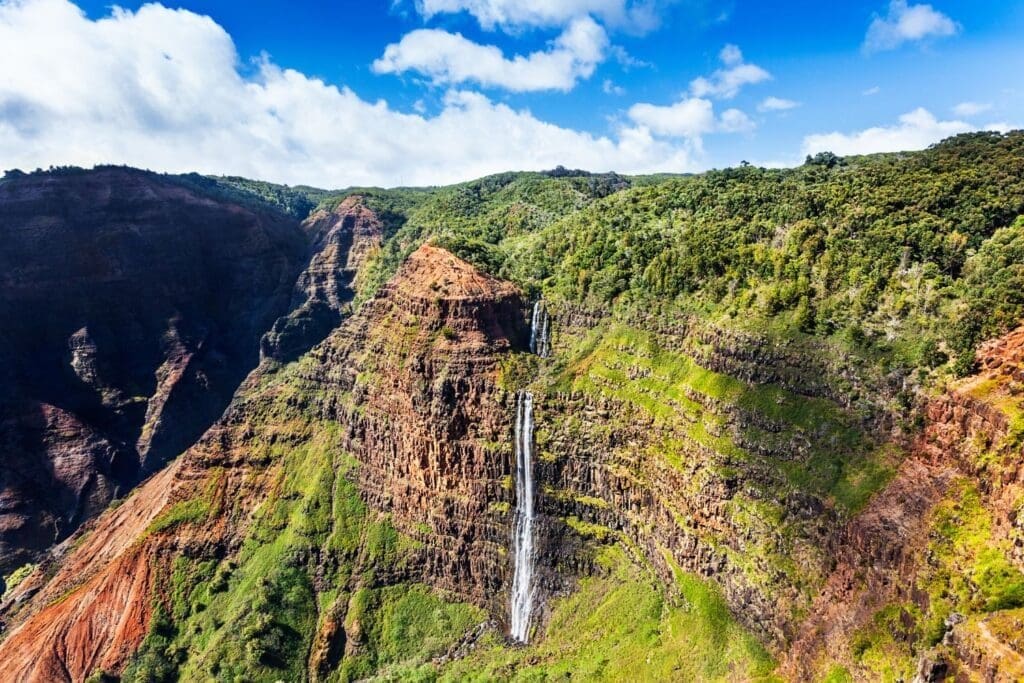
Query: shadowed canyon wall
[(133, 306)]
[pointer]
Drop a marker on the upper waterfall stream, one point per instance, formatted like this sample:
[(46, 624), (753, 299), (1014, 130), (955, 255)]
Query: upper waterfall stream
[(540, 323)]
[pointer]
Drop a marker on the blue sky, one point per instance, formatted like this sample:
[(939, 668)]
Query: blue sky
[(430, 91)]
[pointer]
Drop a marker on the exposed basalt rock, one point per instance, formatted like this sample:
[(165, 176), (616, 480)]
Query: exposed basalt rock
[(967, 423), (970, 427), (677, 499), (341, 241), (132, 309), (329, 643), (877, 552), (674, 514), (989, 650), (81, 475), (931, 669), (882, 551), (414, 379)]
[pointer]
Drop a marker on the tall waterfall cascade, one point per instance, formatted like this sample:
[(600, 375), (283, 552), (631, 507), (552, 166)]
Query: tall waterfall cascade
[(522, 577), (521, 600), (540, 324)]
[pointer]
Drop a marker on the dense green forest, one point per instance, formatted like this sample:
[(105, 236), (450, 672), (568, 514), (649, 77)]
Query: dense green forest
[(911, 259)]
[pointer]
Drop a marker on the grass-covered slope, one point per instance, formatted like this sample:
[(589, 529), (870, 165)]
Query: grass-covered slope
[(320, 586), (312, 553), (625, 624)]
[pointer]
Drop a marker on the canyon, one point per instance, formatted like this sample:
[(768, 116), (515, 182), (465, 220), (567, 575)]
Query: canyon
[(353, 446)]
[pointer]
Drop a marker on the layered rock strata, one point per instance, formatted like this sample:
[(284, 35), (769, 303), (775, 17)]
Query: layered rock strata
[(132, 307), (341, 242), (412, 381)]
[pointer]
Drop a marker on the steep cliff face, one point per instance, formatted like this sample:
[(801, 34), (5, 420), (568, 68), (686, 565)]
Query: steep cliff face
[(930, 576), (132, 308), (376, 460), (708, 499), (341, 241), (978, 533), (414, 382), (382, 458), (642, 442)]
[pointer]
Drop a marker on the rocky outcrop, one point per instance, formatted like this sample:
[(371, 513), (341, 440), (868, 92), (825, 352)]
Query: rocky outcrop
[(971, 423), (881, 554), (137, 305), (132, 307), (877, 556), (341, 242), (414, 380)]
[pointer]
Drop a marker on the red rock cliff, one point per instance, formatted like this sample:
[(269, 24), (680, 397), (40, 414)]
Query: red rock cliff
[(412, 379)]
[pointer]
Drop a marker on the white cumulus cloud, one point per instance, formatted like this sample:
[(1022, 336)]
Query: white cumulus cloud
[(161, 89), (727, 82), (907, 23), (969, 109), (638, 16), (914, 130), (690, 117), (735, 121), (450, 59), (776, 104)]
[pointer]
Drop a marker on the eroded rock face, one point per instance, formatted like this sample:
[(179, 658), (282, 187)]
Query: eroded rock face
[(877, 558), (341, 241), (414, 380), (414, 383), (132, 307), (881, 553)]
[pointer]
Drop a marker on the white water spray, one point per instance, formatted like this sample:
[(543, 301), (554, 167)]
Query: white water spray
[(522, 577)]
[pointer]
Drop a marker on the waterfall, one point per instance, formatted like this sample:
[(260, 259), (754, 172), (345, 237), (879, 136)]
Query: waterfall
[(540, 323), (522, 539), (522, 577)]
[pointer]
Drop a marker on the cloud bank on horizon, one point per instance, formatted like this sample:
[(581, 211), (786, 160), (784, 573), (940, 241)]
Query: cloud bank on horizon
[(163, 88)]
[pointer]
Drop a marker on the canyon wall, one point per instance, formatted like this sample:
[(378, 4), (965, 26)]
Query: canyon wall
[(411, 384), (133, 306)]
